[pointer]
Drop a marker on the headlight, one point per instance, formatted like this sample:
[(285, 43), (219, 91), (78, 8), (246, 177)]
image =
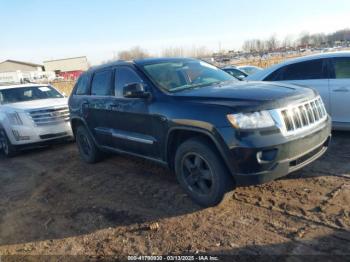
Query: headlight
[(254, 120), (14, 119)]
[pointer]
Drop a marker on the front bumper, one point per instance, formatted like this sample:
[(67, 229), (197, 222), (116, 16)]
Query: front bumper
[(261, 158), (31, 135)]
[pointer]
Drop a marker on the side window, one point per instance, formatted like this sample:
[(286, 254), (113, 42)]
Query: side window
[(102, 83), (123, 77), (82, 85), (275, 76), (314, 69), (341, 67)]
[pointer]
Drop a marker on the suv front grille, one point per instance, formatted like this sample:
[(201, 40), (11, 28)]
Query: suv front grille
[(300, 117), (50, 116)]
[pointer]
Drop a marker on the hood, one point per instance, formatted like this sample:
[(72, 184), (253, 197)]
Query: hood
[(37, 104), (249, 93)]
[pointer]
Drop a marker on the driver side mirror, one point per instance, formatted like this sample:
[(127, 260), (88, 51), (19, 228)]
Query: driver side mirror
[(135, 90)]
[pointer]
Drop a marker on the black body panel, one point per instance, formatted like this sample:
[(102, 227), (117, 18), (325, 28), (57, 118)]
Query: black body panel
[(145, 126)]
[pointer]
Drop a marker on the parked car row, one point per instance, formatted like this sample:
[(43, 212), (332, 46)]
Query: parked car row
[(214, 131)]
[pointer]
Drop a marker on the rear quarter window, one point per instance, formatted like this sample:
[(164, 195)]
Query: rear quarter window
[(82, 86), (102, 83)]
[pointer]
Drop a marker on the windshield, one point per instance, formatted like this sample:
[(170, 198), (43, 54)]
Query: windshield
[(186, 74), (23, 94)]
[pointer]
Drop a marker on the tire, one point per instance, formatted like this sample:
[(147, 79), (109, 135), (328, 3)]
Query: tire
[(8, 149), (88, 150), (201, 172)]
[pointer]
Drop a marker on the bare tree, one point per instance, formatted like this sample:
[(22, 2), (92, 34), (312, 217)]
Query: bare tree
[(134, 53), (173, 52), (304, 39), (198, 52), (287, 42), (272, 43)]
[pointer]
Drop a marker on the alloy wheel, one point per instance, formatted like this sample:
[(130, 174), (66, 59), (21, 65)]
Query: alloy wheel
[(197, 173)]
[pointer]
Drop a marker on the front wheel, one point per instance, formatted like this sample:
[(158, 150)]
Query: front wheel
[(87, 147), (201, 172), (6, 145)]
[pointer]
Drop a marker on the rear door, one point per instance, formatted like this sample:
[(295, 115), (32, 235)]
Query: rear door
[(97, 105), (340, 90), (131, 121), (312, 73)]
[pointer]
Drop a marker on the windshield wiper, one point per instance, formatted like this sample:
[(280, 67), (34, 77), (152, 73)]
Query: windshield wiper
[(195, 86)]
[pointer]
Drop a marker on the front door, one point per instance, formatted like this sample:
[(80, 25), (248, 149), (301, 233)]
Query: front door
[(131, 121), (313, 73), (340, 90)]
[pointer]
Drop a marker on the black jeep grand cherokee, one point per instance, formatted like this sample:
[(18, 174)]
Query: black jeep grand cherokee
[(213, 130)]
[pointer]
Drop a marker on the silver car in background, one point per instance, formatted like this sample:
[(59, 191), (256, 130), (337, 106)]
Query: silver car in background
[(328, 73), (32, 115)]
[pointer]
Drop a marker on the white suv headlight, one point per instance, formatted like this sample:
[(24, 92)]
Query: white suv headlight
[(14, 119), (254, 120)]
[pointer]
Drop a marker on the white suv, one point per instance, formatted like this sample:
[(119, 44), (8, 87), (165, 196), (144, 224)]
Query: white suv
[(31, 115)]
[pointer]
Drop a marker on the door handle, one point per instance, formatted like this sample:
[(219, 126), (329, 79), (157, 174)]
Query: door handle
[(342, 89), (84, 108), (114, 106)]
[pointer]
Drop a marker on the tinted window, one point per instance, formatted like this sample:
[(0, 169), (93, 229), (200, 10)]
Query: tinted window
[(101, 83), (341, 67), (82, 85), (123, 77), (304, 70), (275, 76)]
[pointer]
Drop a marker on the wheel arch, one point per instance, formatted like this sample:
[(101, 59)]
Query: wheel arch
[(178, 135)]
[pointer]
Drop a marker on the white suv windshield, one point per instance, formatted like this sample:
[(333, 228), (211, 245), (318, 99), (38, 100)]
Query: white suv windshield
[(23, 94), (181, 75)]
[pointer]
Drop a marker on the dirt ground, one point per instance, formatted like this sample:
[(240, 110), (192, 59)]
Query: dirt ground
[(51, 203)]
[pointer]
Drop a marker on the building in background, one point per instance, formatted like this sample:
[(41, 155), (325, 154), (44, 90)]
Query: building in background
[(19, 72), (68, 68), (13, 65)]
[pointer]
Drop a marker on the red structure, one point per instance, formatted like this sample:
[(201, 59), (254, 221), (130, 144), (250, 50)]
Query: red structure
[(71, 75)]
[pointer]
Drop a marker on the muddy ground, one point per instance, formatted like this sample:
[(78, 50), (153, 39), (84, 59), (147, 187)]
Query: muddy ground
[(52, 203)]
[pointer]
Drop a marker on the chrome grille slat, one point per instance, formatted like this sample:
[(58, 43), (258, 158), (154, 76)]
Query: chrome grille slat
[(300, 117), (314, 109), (303, 115), (319, 108), (49, 116)]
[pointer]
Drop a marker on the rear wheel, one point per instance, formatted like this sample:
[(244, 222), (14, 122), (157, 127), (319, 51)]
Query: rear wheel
[(88, 150), (6, 145), (201, 172)]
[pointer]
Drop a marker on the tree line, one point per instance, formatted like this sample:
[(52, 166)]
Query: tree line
[(251, 46), (317, 40)]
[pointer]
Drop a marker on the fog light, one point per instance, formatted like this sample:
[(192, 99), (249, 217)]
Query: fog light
[(266, 156), (15, 134), (18, 137)]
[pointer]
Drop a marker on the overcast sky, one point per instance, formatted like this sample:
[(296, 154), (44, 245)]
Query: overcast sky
[(33, 30)]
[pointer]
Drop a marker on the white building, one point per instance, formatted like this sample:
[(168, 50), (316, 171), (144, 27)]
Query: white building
[(18, 71)]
